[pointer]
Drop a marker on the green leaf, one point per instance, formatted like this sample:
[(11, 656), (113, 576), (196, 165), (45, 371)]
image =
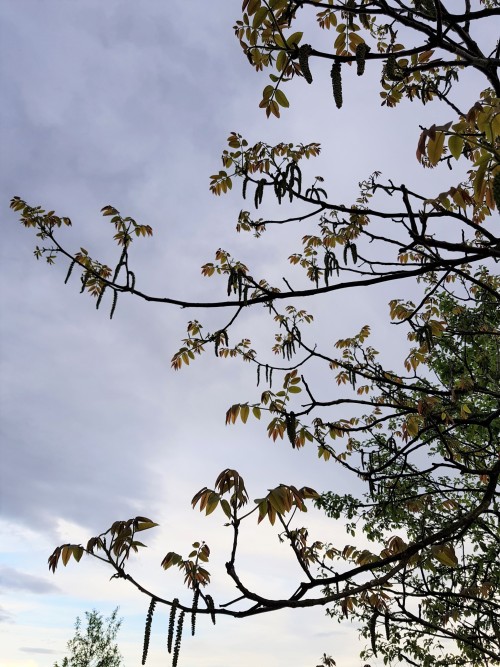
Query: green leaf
[(281, 98), (244, 412), (445, 555), (77, 553), (260, 17), (226, 507), (281, 61), (279, 42), (212, 503), (145, 525), (256, 412), (294, 39), (253, 6), (455, 145), (267, 92)]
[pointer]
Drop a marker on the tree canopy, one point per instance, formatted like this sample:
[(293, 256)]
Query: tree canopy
[(96, 646), (420, 438)]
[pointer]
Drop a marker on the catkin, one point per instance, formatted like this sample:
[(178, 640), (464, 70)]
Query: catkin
[(496, 189), (392, 70), (178, 639), (211, 607), (373, 633), (304, 53), (196, 597), (113, 305), (429, 8), (70, 270), (171, 624), (336, 76), (361, 52), (147, 630), (85, 279), (291, 427), (99, 298)]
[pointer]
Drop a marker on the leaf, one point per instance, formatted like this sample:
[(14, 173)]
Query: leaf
[(232, 414), (260, 17), (277, 501), (171, 559), (252, 7), (445, 555), (435, 148), (226, 507), (109, 210), (455, 145), (478, 182), (281, 61), (281, 98), (77, 553), (294, 39), (145, 525), (66, 554), (256, 412), (307, 492), (244, 412), (212, 502), (267, 93)]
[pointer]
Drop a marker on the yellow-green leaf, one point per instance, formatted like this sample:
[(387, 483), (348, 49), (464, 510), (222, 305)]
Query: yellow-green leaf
[(77, 553), (281, 97), (435, 148), (66, 554), (294, 39), (455, 145), (253, 6), (145, 525), (244, 412), (259, 18), (445, 555), (226, 507), (213, 501)]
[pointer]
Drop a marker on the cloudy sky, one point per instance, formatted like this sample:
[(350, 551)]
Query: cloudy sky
[(130, 104)]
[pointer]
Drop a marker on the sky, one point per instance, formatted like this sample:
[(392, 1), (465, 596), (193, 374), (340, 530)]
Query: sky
[(130, 104)]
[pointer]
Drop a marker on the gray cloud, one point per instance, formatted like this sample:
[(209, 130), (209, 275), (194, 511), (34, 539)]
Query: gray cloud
[(6, 616), (99, 111), (15, 580)]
